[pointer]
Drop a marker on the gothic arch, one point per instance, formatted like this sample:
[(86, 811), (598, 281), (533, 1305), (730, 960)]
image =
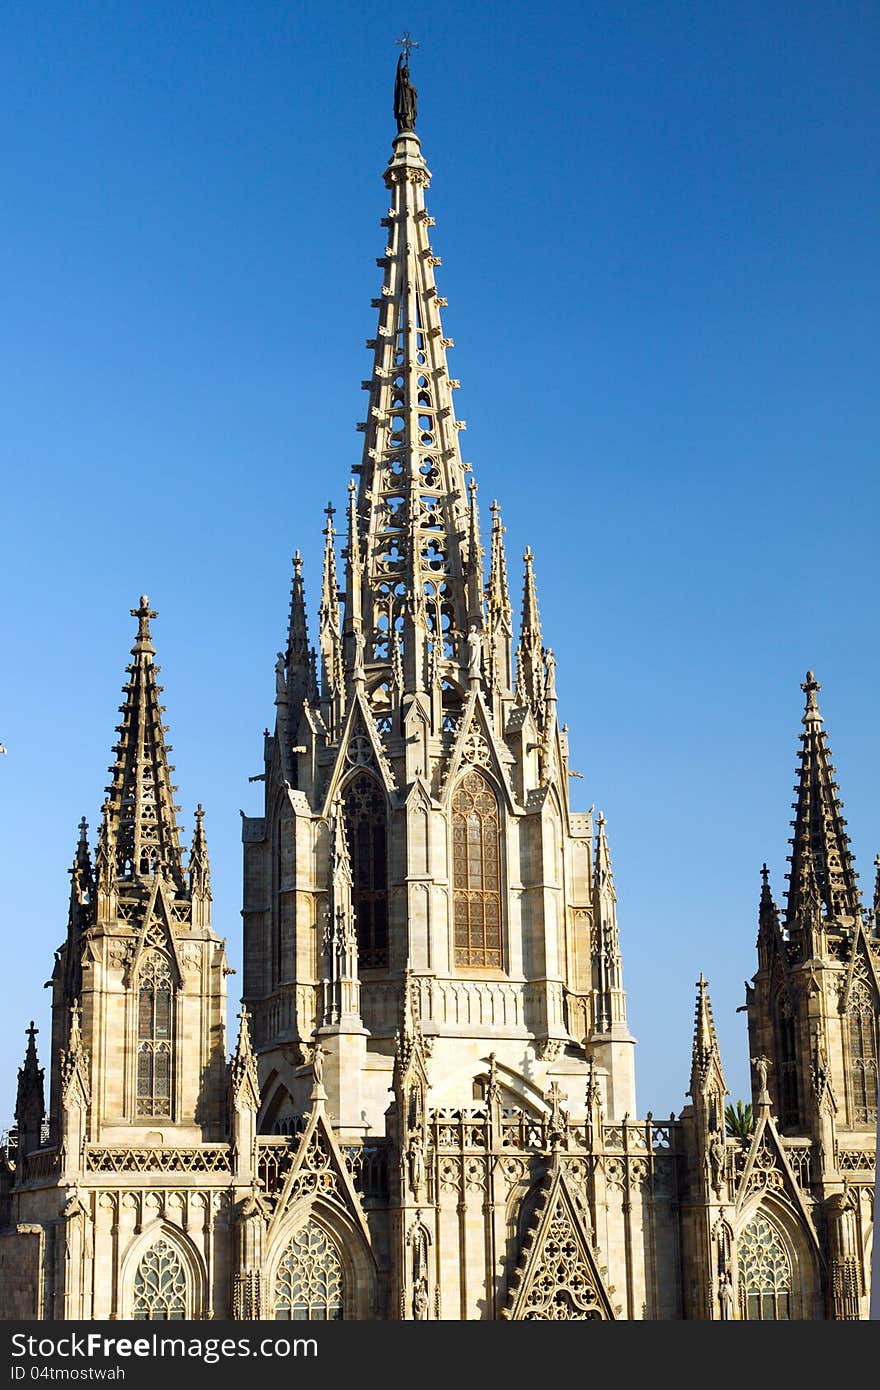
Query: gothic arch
[(153, 1021), (789, 1240), (860, 1042), (366, 823), (277, 1105), (187, 1255), (476, 857), (357, 1268)]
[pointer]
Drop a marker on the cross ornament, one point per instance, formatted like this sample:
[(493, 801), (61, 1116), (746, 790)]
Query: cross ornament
[(407, 44)]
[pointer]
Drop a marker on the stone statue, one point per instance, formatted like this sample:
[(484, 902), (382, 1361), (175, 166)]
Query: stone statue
[(280, 679), (550, 684), (716, 1160), (762, 1067), (725, 1294), (416, 1165), (405, 95), (475, 649), (420, 1302), (318, 1064)]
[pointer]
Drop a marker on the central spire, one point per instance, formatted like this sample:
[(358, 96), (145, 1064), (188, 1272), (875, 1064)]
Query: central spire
[(411, 530)]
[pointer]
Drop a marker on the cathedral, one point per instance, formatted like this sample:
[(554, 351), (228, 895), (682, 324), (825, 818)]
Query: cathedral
[(429, 1108)]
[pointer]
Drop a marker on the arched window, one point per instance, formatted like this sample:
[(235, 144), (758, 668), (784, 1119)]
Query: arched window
[(861, 1017), (155, 1025), (309, 1283), (786, 1052), (160, 1285), (764, 1273), (366, 818), (476, 873)]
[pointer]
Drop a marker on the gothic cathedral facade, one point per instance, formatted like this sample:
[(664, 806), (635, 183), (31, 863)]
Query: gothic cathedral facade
[(430, 1109)]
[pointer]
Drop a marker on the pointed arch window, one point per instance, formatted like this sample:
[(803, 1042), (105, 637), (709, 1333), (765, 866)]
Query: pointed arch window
[(786, 1052), (309, 1283), (476, 873), (366, 818), (765, 1275), (160, 1287), (861, 1018), (155, 1029)]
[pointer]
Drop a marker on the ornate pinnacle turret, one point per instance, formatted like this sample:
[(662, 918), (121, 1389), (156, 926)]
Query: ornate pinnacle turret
[(243, 1075), (139, 833), (298, 656), (530, 651), (82, 884), (30, 1103), (499, 625), (81, 913), (330, 634), (705, 1050), (877, 892), (610, 1000), (819, 829), (474, 563), (199, 866)]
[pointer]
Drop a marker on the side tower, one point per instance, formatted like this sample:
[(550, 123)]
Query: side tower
[(813, 1018), (417, 813), (120, 1198), (141, 968)]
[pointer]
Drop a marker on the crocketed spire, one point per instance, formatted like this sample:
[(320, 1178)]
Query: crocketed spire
[(819, 834), (139, 832)]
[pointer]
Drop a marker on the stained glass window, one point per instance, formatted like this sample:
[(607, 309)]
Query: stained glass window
[(476, 873), (155, 1020), (862, 1028), (764, 1273), (160, 1285), (308, 1285), (367, 823)]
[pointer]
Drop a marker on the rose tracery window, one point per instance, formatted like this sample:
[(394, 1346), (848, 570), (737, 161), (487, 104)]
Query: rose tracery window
[(155, 1003), (476, 873), (862, 1035), (309, 1284), (764, 1273), (160, 1285), (366, 818)]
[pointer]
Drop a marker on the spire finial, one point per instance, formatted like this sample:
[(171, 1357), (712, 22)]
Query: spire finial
[(810, 687), (143, 613), (405, 94)]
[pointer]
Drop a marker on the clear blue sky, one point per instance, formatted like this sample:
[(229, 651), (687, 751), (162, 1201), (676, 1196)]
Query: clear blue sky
[(659, 230)]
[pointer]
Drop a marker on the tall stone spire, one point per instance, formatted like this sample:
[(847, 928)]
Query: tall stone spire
[(411, 514), (819, 833), (530, 651), (81, 912), (139, 832)]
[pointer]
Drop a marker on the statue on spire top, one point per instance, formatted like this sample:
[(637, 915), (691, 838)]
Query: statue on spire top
[(405, 94)]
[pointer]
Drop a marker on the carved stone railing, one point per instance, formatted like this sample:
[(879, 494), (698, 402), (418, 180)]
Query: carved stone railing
[(857, 1160), (367, 1164), (42, 1163), (207, 1158)]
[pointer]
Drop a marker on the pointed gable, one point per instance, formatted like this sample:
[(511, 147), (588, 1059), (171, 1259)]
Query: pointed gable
[(557, 1277)]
